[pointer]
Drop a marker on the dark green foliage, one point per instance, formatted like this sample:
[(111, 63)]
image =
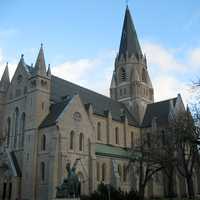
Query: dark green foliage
[(103, 192)]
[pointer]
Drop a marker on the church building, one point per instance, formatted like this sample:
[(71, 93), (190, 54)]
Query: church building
[(47, 122)]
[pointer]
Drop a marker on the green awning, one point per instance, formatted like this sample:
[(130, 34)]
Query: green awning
[(112, 151)]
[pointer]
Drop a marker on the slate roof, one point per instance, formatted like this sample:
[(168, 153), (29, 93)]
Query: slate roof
[(30, 69), (129, 40), (159, 110), (60, 89), (55, 111)]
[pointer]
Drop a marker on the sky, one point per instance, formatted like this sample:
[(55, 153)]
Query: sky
[(81, 39)]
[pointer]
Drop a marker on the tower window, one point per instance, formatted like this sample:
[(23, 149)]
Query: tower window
[(123, 74)]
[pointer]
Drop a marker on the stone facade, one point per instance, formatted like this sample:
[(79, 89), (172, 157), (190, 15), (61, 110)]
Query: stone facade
[(46, 122)]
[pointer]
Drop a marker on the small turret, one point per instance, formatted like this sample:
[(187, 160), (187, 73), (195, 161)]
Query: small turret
[(40, 66), (5, 80), (49, 71)]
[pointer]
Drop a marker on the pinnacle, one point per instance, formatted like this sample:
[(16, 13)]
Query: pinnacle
[(40, 65)]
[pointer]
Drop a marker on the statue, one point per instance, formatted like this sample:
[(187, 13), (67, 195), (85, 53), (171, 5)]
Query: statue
[(70, 188)]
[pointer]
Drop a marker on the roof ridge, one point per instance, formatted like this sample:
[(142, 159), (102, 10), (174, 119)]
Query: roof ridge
[(88, 89), (163, 101)]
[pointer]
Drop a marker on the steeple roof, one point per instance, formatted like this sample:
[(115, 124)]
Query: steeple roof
[(129, 40), (40, 66)]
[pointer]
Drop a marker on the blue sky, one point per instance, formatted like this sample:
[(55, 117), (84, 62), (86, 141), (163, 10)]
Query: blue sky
[(81, 39)]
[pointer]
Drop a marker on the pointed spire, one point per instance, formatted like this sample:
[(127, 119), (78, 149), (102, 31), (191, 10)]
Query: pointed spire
[(129, 40), (40, 66), (49, 70), (21, 62), (5, 79)]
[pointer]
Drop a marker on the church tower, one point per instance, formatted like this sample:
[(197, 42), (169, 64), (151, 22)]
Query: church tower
[(131, 83)]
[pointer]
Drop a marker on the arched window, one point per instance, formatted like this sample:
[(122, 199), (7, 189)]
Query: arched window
[(120, 171), (23, 119), (16, 126), (8, 130), (163, 137), (132, 139), (81, 138), (42, 166), (103, 171), (124, 173), (144, 78), (148, 139), (123, 74), (43, 143), (71, 146), (98, 131), (98, 171), (117, 135)]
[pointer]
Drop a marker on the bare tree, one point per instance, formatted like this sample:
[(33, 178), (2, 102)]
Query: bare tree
[(144, 156), (185, 134)]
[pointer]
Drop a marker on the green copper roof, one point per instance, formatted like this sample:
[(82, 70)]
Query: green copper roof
[(129, 40), (116, 152)]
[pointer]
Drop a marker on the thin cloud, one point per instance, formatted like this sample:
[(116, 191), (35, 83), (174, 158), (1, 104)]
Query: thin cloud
[(162, 57), (96, 73), (6, 33), (166, 87), (194, 57)]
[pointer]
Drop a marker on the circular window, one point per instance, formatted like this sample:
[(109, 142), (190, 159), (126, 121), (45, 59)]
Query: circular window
[(77, 116)]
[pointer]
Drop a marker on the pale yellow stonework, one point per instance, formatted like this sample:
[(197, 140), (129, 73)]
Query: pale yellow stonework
[(31, 168)]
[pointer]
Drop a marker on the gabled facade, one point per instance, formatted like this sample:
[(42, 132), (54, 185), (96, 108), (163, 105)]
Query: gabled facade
[(46, 122)]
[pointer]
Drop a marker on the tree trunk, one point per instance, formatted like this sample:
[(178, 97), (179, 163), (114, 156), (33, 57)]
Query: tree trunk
[(190, 187), (141, 192), (171, 187), (141, 181)]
